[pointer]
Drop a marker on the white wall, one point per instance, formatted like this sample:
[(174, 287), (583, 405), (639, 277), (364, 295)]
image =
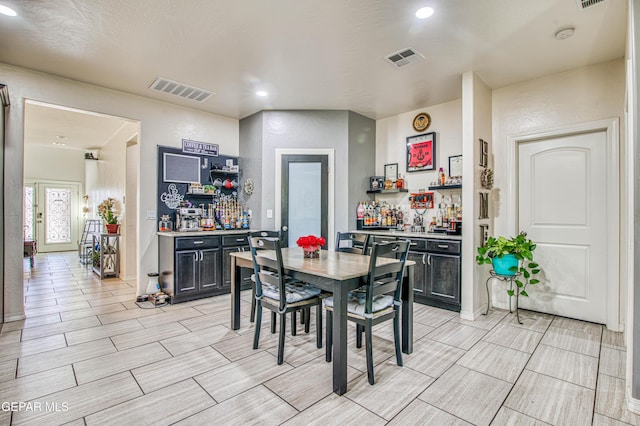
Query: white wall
[(391, 139), (161, 124), (51, 163)]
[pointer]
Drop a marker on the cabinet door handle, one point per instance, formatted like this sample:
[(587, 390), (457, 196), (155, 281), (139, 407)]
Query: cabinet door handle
[(195, 256), (429, 260), (201, 256), (198, 242), (423, 256), (240, 240), (443, 246)]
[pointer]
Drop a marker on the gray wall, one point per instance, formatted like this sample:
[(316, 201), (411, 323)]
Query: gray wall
[(362, 161), (250, 151), (351, 135)]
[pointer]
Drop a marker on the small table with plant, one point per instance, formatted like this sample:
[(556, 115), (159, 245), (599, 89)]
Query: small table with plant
[(512, 261)]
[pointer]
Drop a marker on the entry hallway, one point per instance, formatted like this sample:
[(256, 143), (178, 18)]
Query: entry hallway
[(89, 355)]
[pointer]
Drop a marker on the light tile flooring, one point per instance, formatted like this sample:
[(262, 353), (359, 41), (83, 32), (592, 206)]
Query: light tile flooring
[(87, 354)]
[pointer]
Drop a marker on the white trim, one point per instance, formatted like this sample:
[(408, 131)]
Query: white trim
[(330, 153), (632, 404), (475, 315), (612, 201), (15, 317)]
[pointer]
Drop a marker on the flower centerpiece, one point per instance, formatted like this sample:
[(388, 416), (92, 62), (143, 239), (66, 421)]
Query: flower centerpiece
[(311, 245), (105, 211)]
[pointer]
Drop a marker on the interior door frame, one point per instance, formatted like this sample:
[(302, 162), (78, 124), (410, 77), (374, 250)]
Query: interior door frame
[(611, 199), (330, 153)]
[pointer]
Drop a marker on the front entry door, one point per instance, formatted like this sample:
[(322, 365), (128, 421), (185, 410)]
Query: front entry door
[(562, 207), (56, 214), (304, 201)]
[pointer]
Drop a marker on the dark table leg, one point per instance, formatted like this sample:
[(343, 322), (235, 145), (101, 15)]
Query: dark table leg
[(339, 339), (235, 294), (407, 312)]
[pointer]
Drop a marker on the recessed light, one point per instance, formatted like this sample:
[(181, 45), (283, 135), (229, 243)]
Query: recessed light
[(62, 137), (261, 93), (5, 10), (59, 144), (424, 12)]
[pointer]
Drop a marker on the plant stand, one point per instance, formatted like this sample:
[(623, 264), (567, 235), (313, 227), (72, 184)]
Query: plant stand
[(108, 262), (506, 278)]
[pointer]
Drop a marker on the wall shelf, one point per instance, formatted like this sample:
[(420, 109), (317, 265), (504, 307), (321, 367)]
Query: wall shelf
[(387, 191), (444, 187)]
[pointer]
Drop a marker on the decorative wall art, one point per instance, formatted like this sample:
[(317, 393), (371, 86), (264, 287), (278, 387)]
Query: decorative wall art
[(484, 234), (421, 152), (486, 178), (484, 206), (484, 153), (455, 166), (421, 122)]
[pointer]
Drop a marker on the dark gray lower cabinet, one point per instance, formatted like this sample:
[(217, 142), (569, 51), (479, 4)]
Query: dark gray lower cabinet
[(231, 244), (437, 279), (193, 267)]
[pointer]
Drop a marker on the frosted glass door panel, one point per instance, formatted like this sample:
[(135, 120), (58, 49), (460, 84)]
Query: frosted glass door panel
[(305, 202), (28, 213), (56, 215)]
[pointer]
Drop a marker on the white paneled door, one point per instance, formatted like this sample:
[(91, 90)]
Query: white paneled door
[(562, 207)]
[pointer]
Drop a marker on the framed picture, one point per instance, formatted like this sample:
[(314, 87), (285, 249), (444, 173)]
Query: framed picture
[(391, 172), (421, 152), (484, 153), (376, 183), (455, 165)]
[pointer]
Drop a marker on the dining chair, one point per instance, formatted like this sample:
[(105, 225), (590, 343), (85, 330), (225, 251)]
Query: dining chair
[(369, 304), (381, 239), (272, 284), (263, 234), (351, 242)]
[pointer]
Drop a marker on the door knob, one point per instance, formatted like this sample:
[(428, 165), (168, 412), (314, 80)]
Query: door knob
[(285, 228)]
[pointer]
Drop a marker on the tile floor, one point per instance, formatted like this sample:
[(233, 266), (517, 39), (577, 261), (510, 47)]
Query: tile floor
[(87, 354)]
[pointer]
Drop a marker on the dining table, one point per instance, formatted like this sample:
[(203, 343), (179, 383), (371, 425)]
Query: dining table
[(334, 272)]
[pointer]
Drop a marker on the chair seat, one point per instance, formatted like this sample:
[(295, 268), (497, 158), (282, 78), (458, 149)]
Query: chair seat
[(294, 292), (355, 303)]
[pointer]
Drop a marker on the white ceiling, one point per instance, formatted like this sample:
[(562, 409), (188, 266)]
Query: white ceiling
[(325, 54)]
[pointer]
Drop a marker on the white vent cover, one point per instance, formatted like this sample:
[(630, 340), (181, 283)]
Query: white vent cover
[(186, 91), (404, 57), (583, 4)]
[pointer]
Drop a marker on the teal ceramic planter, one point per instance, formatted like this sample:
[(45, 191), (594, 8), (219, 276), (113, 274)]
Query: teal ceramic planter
[(501, 265)]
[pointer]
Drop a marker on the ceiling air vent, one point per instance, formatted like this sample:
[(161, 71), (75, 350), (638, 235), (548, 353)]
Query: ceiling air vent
[(404, 57), (583, 4), (171, 87)]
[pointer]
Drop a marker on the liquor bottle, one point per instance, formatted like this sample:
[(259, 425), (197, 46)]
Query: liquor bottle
[(360, 210), (439, 216), (441, 176)]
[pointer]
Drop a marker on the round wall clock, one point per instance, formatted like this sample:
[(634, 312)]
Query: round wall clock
[(421, 122)]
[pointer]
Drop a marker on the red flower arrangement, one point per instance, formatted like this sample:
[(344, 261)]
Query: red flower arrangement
[(311, 245), (311, 241)]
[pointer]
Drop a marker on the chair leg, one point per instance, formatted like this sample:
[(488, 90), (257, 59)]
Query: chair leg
[(253, 304), (369, 350), (258, 325), (329, 335), (306, 315), (358, 336), (293, 323), (283, 329), (318, 326), (273, 322), (396, 338)]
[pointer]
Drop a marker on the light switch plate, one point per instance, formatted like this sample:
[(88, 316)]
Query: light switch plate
[(151, 215), (269, 214)]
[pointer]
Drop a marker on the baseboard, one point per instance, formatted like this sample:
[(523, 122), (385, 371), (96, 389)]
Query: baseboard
[(633, 404), (15, 317), (473, 315)]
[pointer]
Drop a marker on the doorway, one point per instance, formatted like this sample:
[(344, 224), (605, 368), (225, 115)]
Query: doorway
[(566, 201), (304, 204), (51, 215)]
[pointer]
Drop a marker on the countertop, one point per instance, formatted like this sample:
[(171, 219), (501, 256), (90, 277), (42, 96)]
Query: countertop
[(175, 234), (405, 234)]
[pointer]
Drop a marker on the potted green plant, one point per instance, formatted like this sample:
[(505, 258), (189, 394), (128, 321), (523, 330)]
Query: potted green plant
[(105, 211), (512, 257)]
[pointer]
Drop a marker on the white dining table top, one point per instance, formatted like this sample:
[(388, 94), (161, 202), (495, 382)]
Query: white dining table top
[(333, 265)]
